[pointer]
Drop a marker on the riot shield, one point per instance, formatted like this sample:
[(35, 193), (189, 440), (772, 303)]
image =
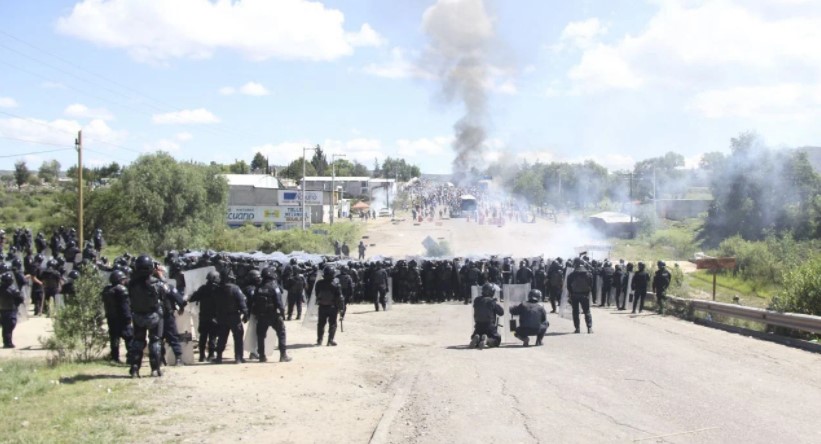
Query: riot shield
[(389, 295), (629, 300), (475, 291), (514, 295), (194, 279), (311, 314), (23, 309), (185, 332), (564, 306), (597, 289)]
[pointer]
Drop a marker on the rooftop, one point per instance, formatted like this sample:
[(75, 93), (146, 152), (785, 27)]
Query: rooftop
[(252, 180)]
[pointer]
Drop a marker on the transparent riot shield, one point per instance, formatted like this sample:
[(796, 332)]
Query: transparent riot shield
[(194, 279), (598, 284), (475, 291), (311, 314), (514, 295), (628, 305), (564, 306), (185, 332), (23, 309), (389, 295)]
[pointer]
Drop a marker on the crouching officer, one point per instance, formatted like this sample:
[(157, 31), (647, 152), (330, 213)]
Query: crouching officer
[(10, 300), (117, 313), (269, 309), (485, 311), (532, 318), (146, 294), (331, 303)]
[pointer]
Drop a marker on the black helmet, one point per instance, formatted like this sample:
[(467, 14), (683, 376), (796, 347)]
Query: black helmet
[(268, 273), (3, 267), (661, 264), (16, 263), (144, 266), (488, 290), (212, 277), (534, 296), (577, 262), (641, 266), (73, 274), (52, 263), (116, 277), (39, 258), (328, 273), (7, 278), (254, 275)]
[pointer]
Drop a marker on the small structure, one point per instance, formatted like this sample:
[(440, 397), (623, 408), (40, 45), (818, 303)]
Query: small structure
[(612, 223)]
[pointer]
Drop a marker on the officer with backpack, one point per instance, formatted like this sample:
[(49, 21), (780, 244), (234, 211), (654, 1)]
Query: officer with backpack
[(555, 281), (661, 281), (606, 274), (639, 286), (146, 294), (579, 285), (330, 304), (269, 309)]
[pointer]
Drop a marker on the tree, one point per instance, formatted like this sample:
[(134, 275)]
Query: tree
[(711, 161), (665, 171), (239, 167), (294, 170), (259, 163), (49, 171), (320, 162), (160, 204), (21, 173)]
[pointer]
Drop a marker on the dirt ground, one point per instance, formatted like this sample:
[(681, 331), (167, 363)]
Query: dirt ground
[(406, 376)]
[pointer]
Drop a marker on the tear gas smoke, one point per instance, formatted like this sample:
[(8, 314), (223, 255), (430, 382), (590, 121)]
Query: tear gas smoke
[(459, 33)]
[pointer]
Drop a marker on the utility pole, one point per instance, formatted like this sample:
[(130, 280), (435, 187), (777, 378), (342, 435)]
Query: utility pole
[(78, 143), (303, 184), (333, 185)]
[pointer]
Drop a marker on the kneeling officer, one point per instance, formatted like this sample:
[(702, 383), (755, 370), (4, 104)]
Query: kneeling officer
[(485, 311), (532, 318)]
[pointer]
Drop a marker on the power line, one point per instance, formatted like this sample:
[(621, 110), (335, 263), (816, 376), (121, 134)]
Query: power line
[(5, 156)]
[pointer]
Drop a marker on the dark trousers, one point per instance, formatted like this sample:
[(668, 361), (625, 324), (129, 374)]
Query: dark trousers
[(582, 301), (263, 324), (605, 295), (327, 315), (620, 298), (119, 329), (171, 335), (146, 324), (8, 320), (37, 300), (555, 297), (638, 300), (379, 299), (660, 297), (222, 338), (488, 329), (538, 332), (294, 300), (208, 335)]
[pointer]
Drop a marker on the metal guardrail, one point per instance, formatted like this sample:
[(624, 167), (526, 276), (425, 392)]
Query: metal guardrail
[(787, 320)]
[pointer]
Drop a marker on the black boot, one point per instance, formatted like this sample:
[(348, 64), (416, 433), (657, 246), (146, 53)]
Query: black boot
[(178, 362), (134, 372), (283, 356)]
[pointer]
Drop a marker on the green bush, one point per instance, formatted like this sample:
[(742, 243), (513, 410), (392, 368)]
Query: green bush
[(802, 290), (79, 335)]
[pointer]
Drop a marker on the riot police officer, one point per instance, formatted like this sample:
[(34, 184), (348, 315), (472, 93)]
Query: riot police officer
[(207, 296), (330, 303), (117, 313), (145, 294), (579, 286), (485, 311), (10, 300), (641, 281), (231, 313), (661, 281), (269, 309), (532, 318)]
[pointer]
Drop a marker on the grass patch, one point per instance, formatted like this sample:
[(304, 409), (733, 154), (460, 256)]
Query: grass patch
[(673, 240), (752, 294), (66, 403)]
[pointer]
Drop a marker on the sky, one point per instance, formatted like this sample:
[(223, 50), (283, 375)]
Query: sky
[(615, 81)]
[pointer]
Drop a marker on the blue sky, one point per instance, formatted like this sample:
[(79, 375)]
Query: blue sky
[(611, 80)]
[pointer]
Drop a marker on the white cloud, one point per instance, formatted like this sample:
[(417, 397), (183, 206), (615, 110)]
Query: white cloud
[(786, 101), (184, 136), (80, 111), (186, 116), (708, 48), (158, 30), (253, 89), (581, 34), (61, 131), (423, 147), (248, 89), (398, 67), (7, 102)]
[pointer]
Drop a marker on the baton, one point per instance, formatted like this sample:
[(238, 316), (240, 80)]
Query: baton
[(342, 325)]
